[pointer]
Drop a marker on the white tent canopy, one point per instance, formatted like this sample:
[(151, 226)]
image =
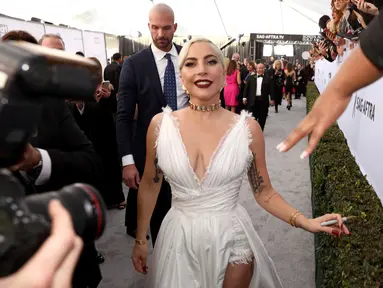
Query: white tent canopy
[(197, 17)]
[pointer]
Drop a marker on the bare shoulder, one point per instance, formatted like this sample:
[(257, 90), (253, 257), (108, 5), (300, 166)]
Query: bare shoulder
[(254, 126), (255, 130), (155, 123), (157, 118)]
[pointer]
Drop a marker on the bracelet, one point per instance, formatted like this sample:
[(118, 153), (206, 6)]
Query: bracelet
[(291, 217), (294, 217), (141, 242)]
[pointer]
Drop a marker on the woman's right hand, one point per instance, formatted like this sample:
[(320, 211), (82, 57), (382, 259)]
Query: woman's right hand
[(139, 255)]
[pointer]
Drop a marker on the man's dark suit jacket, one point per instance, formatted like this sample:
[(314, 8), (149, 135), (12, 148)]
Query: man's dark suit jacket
[(98, 125), (112, 73), (73, 160), (139, 84), (251, 91)]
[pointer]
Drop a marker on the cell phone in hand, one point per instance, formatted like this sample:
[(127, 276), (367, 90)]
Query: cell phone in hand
[(105, 84)]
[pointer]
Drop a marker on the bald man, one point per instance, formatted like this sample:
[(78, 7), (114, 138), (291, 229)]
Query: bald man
[(149, 79)]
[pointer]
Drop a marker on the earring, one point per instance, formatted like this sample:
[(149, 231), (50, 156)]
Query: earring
[(186, 91)]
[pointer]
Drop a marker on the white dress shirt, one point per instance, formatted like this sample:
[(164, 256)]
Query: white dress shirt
[(161, 63), (46, 169), (259, 86)]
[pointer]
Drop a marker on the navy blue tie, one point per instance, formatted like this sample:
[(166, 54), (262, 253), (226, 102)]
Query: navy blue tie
[(170, 86)]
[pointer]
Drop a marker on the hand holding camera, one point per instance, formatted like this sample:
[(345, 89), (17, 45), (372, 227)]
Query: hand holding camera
[(54, 262), (30, 159)]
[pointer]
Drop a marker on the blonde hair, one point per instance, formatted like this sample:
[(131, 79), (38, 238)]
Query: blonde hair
[(185, 51), (276, 62)]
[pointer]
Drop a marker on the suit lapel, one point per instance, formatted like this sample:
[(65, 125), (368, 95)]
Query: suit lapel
[(152, 71), (153, 74)]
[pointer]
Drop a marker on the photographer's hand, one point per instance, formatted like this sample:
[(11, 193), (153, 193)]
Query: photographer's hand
[(366, 7), (30, 159), (53, 264), (333, 101)]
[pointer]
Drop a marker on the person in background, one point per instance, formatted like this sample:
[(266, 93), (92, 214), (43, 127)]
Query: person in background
[(97, 122), (222, 93), (231, 90), (271, 62), (112, 74), (252, 70), (236, 57), (337, 95), (289, 84), (277, 77), (53, 41), (256, 95), (79, 53), (301, 81), (244, 72), (150, 81)]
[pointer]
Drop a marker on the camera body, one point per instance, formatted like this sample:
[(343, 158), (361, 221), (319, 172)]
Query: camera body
[(28, 73)]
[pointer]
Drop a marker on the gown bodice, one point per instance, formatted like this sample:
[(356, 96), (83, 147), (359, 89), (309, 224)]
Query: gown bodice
[(219, 188)]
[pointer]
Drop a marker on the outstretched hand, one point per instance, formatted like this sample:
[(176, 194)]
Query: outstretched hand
[(324, 113), (314, 225)]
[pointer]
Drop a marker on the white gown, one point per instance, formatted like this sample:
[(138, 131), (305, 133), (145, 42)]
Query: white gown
[(206, 228)]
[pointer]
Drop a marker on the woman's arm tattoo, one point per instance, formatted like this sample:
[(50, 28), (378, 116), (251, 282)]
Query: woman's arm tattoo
[(156, 178), (255, 180)]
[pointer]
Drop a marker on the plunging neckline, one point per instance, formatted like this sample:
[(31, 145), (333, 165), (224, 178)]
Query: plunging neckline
[(217, 149)]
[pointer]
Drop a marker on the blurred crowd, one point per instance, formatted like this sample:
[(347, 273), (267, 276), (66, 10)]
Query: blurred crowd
[(341, 31)]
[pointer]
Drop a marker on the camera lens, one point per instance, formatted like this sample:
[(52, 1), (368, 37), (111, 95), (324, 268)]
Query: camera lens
[(84, 203)]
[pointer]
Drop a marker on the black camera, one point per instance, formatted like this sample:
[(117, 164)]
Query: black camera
[(25, 221), (27, 74)]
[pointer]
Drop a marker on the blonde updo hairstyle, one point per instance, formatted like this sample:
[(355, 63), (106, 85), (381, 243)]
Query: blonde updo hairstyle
[(185, 51)]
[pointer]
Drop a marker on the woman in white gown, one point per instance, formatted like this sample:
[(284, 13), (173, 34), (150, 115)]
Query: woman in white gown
[(207, 239)]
